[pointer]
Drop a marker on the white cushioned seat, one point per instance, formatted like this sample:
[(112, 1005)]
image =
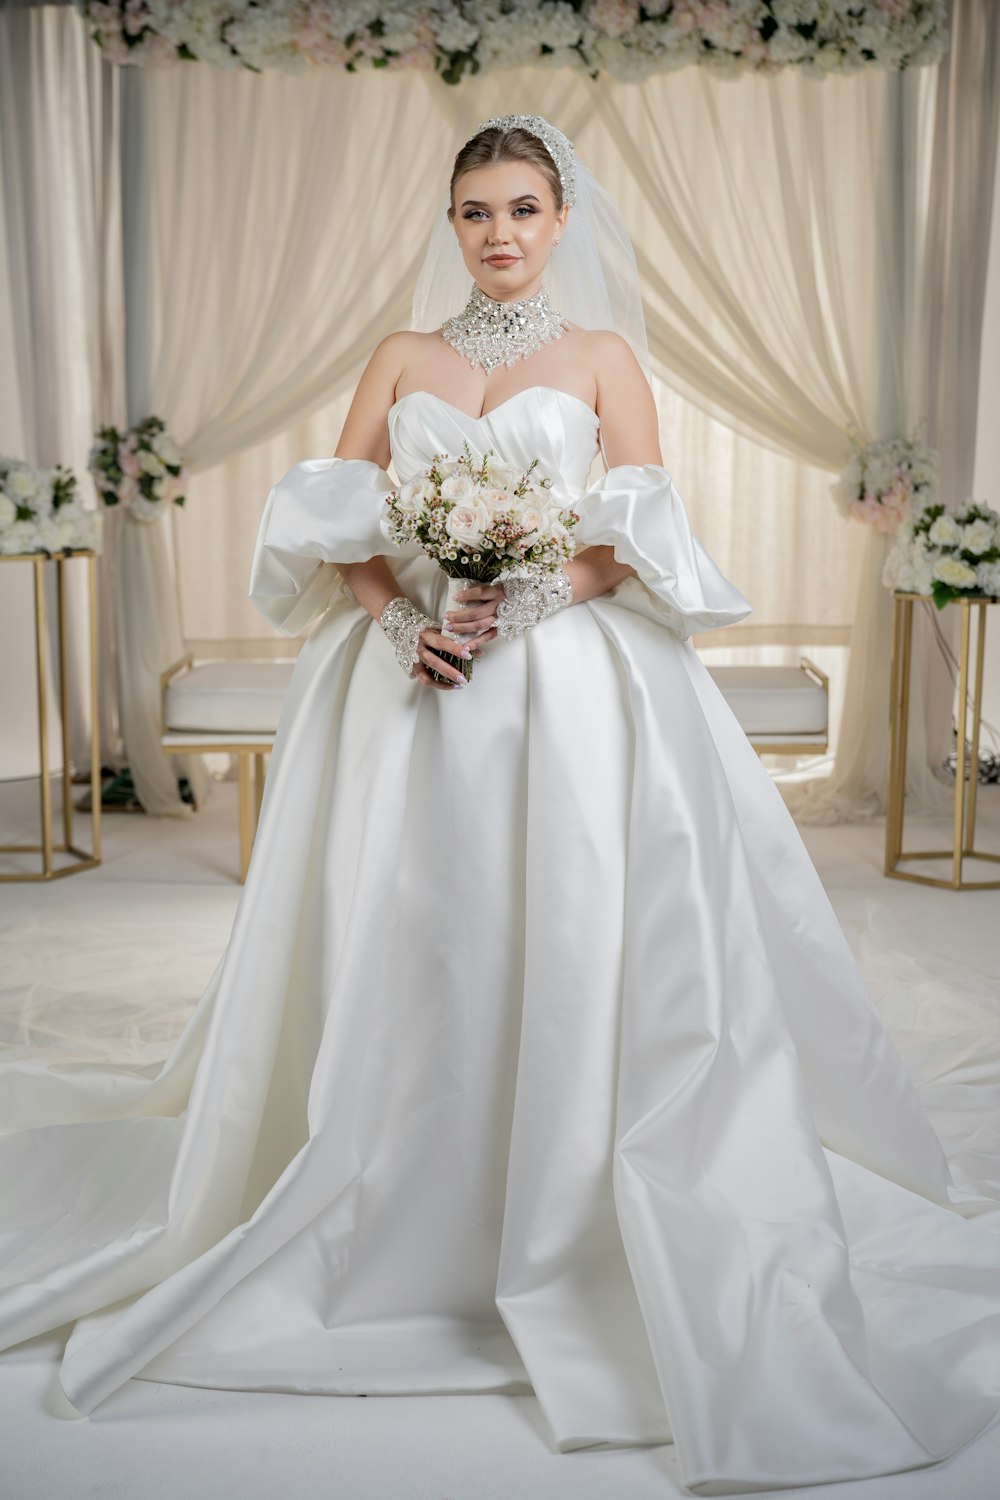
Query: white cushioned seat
[(773, 700), (227, 697)]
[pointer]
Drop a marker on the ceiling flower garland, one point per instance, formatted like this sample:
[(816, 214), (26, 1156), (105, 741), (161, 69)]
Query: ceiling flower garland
[(623, 38)]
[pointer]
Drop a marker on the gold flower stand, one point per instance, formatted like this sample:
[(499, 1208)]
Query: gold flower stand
[(967, 747), (47, 848)]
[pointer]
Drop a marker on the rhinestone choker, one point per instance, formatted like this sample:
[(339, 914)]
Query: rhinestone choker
[(491, 333)]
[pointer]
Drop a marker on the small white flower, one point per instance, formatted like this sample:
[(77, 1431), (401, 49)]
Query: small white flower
[(22, 536), (8, 511)]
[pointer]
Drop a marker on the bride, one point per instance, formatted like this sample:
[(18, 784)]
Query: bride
[(537, 1060)]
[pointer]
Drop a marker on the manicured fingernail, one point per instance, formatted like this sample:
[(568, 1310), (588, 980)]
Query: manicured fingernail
[(462, 682)]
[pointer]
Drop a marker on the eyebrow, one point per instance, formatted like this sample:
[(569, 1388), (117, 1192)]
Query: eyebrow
[(478, 202)]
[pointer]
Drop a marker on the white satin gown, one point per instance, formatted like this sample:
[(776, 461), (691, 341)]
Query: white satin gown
[(536, 1060)]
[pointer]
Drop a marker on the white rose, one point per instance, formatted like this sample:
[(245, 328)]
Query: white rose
[(8, 511), (953, 571), (497, 499), (164, 445), (534, 525), (458, 487), (150, 464), (413, 493), (945, 532), (466, 524), (988, 577), (977, 537), (144, 509), (23, 487), (500, 473)]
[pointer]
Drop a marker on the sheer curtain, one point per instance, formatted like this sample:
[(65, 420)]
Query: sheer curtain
[(59, 116), (806, 283)]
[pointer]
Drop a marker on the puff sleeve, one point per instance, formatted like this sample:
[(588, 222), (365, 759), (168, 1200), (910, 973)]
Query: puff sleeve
[(324, 511), (636, 509)]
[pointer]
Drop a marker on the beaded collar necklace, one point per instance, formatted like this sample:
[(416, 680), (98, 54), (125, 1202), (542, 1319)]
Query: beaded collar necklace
[(491, 333)]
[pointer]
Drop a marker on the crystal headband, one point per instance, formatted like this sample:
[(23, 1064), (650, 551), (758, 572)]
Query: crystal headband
[(559, 146)]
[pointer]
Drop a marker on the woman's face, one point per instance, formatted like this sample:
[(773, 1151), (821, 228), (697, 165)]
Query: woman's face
[(506, 209)]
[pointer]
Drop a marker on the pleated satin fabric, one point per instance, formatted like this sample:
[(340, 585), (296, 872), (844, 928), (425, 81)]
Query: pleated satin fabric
[(536, 1059)]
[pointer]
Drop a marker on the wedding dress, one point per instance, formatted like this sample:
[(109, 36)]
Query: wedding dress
[(536, 1060)]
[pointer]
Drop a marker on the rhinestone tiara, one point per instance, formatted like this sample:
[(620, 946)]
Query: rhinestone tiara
[(559, 146)]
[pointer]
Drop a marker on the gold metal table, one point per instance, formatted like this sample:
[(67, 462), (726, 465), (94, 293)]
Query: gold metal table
[(83, 860), (966, 749)]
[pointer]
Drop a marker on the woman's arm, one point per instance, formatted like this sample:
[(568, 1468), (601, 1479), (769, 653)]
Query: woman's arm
[(630, 429), (366, 435)]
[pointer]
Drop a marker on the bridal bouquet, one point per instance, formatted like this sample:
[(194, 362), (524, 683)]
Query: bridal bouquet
[(40, 511), (482, 522), (139, 469), (885, 481), (948, 554)]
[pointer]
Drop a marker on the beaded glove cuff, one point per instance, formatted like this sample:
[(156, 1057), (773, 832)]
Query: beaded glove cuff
[(402, 622), (528, 600)]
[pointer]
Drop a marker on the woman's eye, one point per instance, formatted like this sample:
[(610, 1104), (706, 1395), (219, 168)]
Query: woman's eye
[(522, 207)]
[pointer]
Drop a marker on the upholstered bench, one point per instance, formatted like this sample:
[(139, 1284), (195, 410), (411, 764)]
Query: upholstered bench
[(230, 706), (234, 706), (781, 710)]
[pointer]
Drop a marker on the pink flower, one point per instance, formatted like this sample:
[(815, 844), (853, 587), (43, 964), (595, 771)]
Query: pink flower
[(128, 461), (614, 17)]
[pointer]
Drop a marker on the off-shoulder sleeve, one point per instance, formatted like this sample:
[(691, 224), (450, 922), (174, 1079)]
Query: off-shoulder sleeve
[(324, 511), (636, 509)]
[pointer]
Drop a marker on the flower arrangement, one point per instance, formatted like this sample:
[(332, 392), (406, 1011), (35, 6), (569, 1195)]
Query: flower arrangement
[(628, 39), (482, 521), (40, 511), (887, 481), (948, 554), (139, 469)]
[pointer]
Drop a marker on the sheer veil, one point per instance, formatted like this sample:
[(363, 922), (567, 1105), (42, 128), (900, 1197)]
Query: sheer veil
[(591, 276)]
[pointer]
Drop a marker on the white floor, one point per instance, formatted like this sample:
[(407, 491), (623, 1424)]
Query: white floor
[(108, 962)]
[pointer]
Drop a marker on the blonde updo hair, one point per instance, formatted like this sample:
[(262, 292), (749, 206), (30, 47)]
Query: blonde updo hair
[(498, 144)]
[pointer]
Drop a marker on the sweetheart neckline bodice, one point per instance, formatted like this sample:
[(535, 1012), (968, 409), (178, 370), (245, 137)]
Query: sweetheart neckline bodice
[(484, 416)]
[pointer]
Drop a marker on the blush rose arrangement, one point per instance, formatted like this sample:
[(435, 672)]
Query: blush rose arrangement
[(482, 522), (886, 481), (140, 469)]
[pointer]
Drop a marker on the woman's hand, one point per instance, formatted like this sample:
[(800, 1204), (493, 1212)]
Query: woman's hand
[(479, 612), (430, 643)]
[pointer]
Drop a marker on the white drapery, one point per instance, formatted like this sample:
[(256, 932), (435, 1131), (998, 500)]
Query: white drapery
[(811, 288), (263, 267), (58, 149)]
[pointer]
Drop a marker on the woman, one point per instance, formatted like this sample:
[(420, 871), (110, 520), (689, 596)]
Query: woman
[(537, 1059)]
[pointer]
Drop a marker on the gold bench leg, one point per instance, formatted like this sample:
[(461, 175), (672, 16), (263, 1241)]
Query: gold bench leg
[(246, 813)]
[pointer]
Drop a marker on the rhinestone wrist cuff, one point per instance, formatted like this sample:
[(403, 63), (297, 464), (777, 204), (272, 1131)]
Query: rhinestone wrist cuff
[(528, 600), (402, 622)]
